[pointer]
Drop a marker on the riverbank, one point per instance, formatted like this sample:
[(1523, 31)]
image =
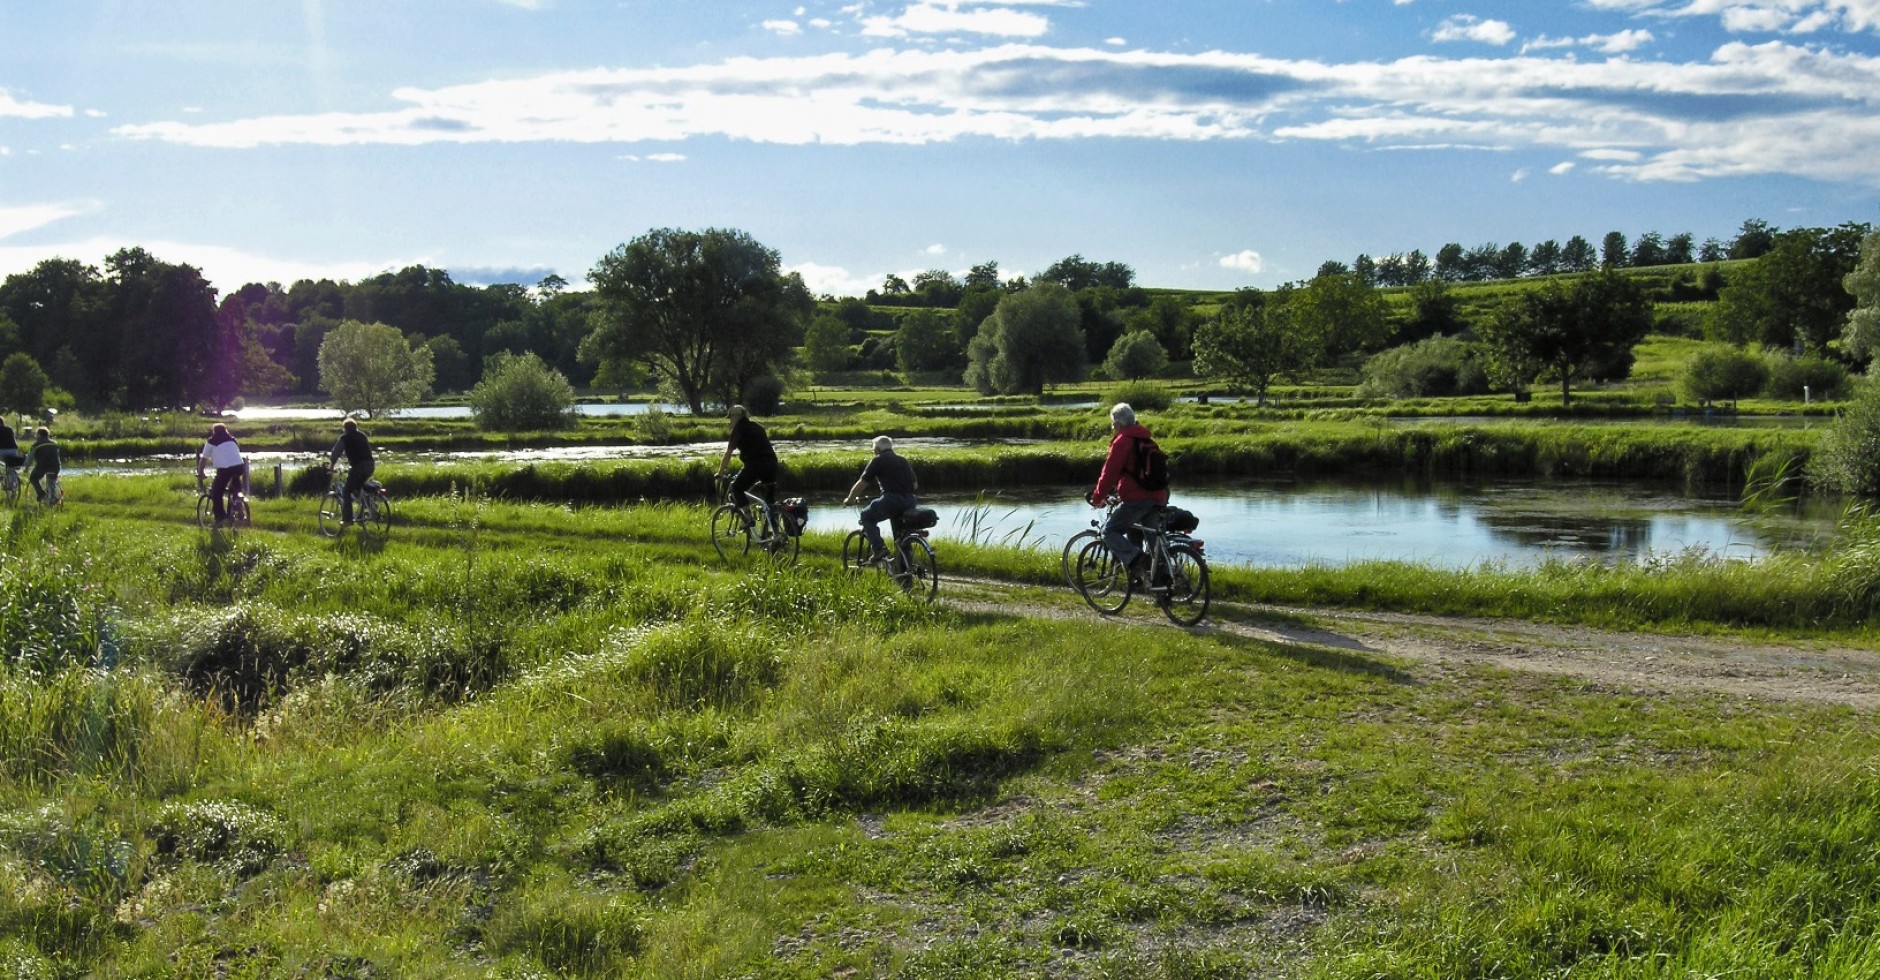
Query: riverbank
[(522, 738)]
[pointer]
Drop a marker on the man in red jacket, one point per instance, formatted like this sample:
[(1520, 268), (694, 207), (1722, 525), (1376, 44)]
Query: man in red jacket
[(1119, 477)]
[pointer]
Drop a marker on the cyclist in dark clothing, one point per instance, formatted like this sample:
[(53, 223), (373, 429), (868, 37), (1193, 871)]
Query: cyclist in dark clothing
[(45, 461), (10, 447), (894, 476), (752, 444), (358, 452)]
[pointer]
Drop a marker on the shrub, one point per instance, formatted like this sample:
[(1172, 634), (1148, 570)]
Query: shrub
[(1136, 355), (764, 395), (1847, 459), (233, 836), (1142, 396), (1799, 377), (520, 391), (1438, 366), (1720, 372)]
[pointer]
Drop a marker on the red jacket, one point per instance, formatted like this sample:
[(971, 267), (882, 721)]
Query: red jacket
[(1119, 468)]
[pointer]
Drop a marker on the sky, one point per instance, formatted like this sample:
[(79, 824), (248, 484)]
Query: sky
[(1207, 144)]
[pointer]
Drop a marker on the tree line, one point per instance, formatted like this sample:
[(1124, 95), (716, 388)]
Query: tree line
[(710, 317)]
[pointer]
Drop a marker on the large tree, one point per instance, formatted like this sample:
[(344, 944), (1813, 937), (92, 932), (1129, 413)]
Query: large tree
[(372, 368), (1346, 315), (1253, 341), (1793, 295), (1860, 339), (1031, 339), (708, 311), (1583, 331)]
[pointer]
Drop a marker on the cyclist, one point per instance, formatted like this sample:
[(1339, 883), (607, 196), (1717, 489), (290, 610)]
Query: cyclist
[(358, 452), (1119, 477), (45, 461), (10, 447), (221, 452), (894, 476), (752, 444)]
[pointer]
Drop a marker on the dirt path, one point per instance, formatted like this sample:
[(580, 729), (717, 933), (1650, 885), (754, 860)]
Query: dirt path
[(1429, 646)]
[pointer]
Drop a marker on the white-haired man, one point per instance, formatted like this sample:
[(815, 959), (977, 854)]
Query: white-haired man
[(1119, 477), (893, 477)]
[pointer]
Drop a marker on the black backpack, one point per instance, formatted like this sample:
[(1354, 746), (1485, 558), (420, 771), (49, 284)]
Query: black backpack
[(1151, 466)]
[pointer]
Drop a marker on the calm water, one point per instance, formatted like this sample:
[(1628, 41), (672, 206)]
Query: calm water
[(1276, 523), (1296, 524), (266, 414)]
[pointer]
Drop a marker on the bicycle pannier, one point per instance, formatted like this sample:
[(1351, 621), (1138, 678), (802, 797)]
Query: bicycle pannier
[(795, 516), (919, 519), (1178, 521)]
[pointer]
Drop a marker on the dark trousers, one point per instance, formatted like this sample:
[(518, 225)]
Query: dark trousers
[(1117, 534), (885, 507), (38, 478), (355, 481), (225, 477)]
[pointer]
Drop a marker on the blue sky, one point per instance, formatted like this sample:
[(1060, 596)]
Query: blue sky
[(1206, 143)]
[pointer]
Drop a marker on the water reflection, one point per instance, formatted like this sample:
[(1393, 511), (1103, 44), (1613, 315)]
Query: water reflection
[(1291, 524)]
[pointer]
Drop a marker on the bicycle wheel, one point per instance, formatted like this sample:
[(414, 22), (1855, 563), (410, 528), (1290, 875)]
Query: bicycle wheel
[(238, 515), (731, 533), (1186, 600), (781, 545), (55, 491), (331, 507), (918, 571), (375, 515), (854, 550), (12, 485), (205, 512), (1101, 579), (1068, 560)]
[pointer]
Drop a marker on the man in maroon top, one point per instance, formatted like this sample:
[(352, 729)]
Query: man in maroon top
[(1119, 478)]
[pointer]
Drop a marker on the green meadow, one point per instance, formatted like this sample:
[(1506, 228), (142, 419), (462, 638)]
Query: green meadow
[(541, 730)]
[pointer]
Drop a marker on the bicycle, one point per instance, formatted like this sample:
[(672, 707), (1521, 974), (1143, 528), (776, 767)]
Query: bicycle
[(911, 563), (1067, 561), (10, 484), (735, 532), (55, 491), (372, 509), (236, 506), (1177, 576)]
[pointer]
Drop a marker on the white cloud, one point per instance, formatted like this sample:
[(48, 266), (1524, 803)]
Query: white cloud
[(18, 219), (1623, 42), (787, 28), (1761, 16), (942, 17), (226, 268), (833, 280), (1464, 27), (1562, 168), (1115, 42), (1518, 176), (935, 249), (11, 107), (1737, 113), (1248, 261)]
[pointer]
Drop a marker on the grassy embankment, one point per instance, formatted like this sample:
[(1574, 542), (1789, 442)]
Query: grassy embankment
[(523, 739)]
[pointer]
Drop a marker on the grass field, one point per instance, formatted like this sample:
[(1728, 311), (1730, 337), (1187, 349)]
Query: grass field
[(525, 739)]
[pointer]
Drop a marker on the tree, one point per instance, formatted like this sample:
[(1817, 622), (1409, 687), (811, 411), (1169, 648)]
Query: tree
[(520, 392), (1577, 255), (260, 375), (1253, 341), (1794, 295), (1753, 240), (1583, 331), (1135, 355), (23, 384), (926, 341), (1612, 251), (371, 368), (1030, 340), (826, 345), (708, 311), (1847, 459), (1860, 339), (1346, 315)]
